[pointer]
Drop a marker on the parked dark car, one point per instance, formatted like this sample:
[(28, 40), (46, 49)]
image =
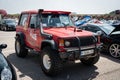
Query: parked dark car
[(7, 71), (116, 23), (8, 24), (110, 37)]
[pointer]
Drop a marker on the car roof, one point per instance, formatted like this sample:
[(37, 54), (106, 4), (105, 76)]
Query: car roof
[(46, 11)]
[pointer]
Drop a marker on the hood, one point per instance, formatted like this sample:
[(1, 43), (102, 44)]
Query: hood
[(65, 33), (117, 28)]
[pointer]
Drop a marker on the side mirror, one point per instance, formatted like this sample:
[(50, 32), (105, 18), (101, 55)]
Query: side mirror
[(32, 25), (2, 46)]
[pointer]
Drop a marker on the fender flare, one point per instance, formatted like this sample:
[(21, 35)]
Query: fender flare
[(50, 43), (21, 37)]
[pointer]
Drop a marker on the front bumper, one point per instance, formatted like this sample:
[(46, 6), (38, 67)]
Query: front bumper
[(77, 53), (11, 28)]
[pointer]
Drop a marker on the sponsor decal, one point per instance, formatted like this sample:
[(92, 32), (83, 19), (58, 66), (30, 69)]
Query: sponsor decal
[(33, 35)]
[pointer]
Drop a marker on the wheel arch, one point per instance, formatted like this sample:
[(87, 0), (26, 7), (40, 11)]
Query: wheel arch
[(114, 42), (50, 43), (20, 36)]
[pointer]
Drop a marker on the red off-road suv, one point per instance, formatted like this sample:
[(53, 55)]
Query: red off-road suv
[(53, 35)]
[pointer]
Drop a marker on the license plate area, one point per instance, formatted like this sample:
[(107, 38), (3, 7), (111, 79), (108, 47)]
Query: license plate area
[(87, 52)]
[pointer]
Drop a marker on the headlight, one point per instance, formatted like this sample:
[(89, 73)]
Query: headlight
[(6, 74), (67, 43)]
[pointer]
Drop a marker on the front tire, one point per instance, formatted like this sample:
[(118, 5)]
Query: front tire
[(50, 62), (90, 61), (114, 50), (5, 28), (20, 49), (2, 28)]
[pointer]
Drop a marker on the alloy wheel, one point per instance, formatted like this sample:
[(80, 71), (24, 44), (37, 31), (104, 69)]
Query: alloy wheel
[(46, 62), (115, 50)]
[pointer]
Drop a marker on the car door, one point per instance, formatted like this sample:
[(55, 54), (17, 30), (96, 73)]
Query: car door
[(23, 27), (34, 33)]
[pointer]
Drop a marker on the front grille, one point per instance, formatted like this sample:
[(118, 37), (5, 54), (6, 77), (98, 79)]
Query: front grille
[(84, 41), (12, 26)]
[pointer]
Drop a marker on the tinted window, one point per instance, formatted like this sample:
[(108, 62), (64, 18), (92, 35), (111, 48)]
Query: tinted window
[(91, 28), (9, 21)]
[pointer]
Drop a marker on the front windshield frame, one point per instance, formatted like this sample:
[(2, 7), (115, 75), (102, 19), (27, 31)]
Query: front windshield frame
[(59, 20)]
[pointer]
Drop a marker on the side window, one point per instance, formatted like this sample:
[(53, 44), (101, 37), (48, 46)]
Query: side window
[(23, 19), (93, 29), (33, 21), (85, 28)]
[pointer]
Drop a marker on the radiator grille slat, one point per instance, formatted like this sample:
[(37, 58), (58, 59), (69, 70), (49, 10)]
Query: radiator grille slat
[(84, 41)]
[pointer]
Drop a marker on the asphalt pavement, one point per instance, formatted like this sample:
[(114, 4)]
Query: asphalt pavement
[(107, 68)]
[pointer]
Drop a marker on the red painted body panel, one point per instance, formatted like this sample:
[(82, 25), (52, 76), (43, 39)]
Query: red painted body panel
[(33, 37), (66, 33)]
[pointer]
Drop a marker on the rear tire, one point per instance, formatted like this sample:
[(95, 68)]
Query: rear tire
[(50, 62), (20, 49), (90, 61), (2, 29)]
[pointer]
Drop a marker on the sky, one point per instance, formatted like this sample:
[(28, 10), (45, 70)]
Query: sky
[(76, 6)]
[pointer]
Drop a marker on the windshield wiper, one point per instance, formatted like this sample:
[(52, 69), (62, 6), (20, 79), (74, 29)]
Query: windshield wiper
[(65, 25)]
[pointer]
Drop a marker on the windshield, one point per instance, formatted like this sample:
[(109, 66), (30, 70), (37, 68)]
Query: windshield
[(107, 28), (9, 21), (56, 20)]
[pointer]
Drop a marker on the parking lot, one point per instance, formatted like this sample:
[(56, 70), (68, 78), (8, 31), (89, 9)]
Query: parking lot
[(28, 68)]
